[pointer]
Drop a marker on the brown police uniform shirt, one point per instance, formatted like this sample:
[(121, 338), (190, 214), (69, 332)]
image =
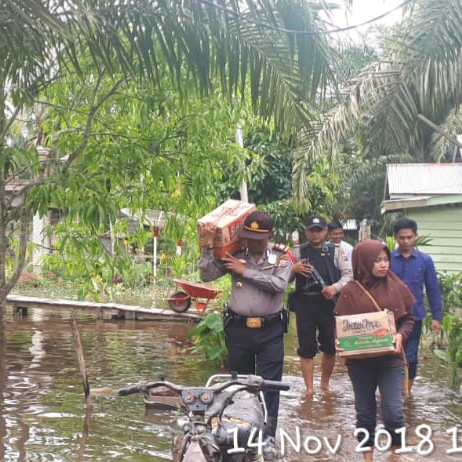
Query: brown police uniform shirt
[(260, 290)]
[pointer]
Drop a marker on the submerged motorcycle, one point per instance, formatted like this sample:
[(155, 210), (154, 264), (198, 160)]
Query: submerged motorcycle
[(224, 421)]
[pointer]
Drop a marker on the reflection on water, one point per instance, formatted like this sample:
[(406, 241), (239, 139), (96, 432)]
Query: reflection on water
[(42, 408)]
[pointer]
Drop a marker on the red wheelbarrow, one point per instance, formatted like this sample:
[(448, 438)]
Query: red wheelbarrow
[(180, 301)]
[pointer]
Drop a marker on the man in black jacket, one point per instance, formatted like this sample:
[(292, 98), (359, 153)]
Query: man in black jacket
[(320, 274)]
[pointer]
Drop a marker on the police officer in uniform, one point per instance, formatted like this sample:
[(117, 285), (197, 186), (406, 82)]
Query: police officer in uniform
[(255, 320), (336, 235), (320, 273)]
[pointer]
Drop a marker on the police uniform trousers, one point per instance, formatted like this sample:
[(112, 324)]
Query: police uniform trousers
[(261, 352)]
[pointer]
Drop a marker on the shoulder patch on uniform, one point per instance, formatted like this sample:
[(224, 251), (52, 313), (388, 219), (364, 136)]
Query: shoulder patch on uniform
[(284, 260), (281, 247), (342, 253)]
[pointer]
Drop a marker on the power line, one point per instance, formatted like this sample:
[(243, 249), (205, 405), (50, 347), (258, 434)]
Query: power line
[(303, 32)]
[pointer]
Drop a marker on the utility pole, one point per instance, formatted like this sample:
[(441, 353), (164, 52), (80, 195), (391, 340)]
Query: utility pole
[(240, 142)]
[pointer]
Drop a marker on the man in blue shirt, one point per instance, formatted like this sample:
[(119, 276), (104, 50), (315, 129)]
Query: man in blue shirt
[(417, 270)]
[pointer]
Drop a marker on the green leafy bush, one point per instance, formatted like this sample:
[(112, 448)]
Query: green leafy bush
[(452, 340), (451, 291), (209, 338)]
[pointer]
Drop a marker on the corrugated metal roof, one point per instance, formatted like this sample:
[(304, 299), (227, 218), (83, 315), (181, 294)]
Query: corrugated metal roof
[(406, 180)]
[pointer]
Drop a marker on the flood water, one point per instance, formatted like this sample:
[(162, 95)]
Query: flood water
[(42, 407)]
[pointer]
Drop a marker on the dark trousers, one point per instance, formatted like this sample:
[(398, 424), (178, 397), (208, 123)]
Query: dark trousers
[(412, 348), (260, 352), (315, 315), (389, 381)]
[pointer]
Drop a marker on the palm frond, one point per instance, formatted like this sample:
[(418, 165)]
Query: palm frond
[(256, 43), (241, 43), (441, 148), (423, 74), (33, 13), (432, 34), (373, 105)]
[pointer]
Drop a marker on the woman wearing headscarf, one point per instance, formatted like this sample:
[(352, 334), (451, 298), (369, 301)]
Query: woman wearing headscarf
[(371, 263)]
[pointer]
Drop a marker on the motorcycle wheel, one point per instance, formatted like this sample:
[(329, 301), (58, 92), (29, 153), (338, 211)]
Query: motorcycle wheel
[(254, 457)]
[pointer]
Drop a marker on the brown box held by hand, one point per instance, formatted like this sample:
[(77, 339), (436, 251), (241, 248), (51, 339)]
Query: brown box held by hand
[(366, 335), (229, 218)]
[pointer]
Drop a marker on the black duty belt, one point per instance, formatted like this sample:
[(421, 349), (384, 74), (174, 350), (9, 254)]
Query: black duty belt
[(252, 322)]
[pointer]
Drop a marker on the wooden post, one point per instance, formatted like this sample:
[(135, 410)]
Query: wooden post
[(435, 127), (129, 315), (20, 311), (3, 321), (155, 233), (81, 360)]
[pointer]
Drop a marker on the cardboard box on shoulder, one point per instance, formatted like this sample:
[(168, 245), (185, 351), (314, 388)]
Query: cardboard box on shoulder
[(366, 335), (229, 218)]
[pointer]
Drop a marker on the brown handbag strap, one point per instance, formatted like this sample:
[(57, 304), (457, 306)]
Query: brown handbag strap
[(370, 296)]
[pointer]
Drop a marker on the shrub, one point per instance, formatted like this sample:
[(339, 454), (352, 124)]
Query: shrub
[(209, 338)]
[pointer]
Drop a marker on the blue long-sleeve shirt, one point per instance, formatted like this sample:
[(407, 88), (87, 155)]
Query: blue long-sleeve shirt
[(418, 272)]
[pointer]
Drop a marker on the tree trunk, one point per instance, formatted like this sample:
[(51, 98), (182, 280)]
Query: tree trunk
[(2, 323), (2, 400)]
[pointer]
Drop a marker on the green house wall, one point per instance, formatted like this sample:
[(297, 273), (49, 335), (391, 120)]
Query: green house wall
[(443, 225)]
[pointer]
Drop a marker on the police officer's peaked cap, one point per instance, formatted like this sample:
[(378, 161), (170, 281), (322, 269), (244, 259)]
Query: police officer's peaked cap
[(257, 225), (315, 221)]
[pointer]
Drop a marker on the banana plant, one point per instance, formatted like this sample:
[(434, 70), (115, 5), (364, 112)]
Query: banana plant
[(209, 338), (452, 353)]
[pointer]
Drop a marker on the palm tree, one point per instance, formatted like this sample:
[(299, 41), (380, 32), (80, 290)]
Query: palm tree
[(274, 51), (421, 74)]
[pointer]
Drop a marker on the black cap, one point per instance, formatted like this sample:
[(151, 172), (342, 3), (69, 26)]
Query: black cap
[(315, 221), (257, 225)]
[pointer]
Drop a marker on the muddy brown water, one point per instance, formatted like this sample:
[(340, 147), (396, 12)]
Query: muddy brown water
[(42, 408)]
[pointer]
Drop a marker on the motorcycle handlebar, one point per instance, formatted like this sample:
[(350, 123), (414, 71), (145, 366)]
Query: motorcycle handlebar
[(131, 390), (251, 382), (142, 387), (274, 385)]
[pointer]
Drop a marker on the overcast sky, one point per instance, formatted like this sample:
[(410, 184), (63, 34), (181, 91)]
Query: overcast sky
[(365, 10)]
